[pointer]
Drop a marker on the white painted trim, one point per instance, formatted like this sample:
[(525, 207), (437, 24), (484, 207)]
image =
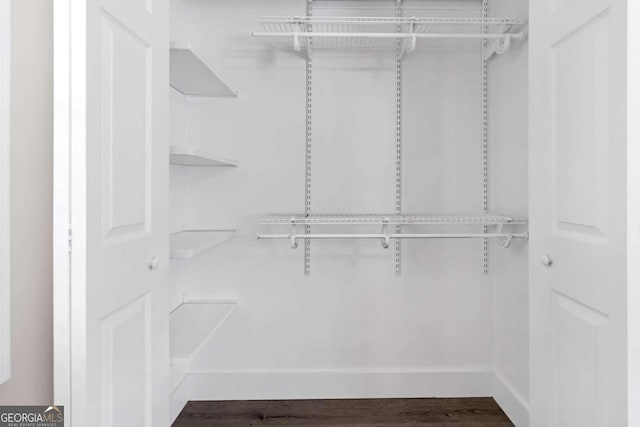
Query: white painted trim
[(78, 209), (69, 30), (335, 384), (179, 397), (633, 212), (61, 206), (510, 400), (5, 191)]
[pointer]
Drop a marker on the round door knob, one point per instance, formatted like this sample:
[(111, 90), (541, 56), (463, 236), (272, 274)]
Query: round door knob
[(153, 263), (546, 260)]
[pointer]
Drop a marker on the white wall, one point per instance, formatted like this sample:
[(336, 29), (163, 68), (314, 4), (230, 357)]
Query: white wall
[(508, 131), (352, 316), (5, 191), (31, 205)]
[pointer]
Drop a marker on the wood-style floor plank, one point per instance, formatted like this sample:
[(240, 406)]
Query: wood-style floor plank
[(468, 412)]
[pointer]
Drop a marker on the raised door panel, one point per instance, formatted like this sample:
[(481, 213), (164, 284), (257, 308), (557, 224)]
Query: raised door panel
[(579, 95), (126, 365), (580, 358), (126, 70)]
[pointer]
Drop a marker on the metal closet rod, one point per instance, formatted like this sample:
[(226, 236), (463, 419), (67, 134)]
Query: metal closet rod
[(396, 236), (504, 239)]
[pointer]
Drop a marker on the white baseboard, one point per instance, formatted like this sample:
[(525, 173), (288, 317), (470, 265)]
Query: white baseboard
[(256, 385), (344, 384), (179, 397), (511, 402)]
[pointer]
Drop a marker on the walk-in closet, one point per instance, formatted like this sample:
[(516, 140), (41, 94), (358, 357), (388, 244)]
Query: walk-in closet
[(335, 199)]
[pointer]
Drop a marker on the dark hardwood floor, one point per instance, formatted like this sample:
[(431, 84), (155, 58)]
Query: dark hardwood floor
[(471, 412)]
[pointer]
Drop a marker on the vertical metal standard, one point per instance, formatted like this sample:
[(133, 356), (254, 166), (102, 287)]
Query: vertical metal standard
[(399, 50), (485, 139), (308, 140)]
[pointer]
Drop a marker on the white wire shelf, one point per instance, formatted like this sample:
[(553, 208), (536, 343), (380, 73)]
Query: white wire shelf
[(391, 219), (435, 33)]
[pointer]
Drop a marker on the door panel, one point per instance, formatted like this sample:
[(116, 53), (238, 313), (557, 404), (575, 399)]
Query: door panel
[(579, 360), (579, 94), (126, 365), (578, 203), (118, 121), (126, 70)]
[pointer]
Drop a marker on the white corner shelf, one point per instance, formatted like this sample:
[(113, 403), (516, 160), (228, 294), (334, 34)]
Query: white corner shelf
[(191, 76), (187, 244), (191, 156), (190, 325)]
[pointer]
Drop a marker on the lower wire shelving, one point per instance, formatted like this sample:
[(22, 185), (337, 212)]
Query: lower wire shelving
[(503, 237), (392, 218)]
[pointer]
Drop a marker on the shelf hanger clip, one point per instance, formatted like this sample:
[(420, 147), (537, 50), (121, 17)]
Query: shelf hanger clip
[(502, 44), (296, 38), (293, 236), (505, 241), (413, 40), (386, 238)]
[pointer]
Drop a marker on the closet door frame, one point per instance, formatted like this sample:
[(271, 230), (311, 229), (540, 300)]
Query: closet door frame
[(5, 191), (62, 206), (633, 211)]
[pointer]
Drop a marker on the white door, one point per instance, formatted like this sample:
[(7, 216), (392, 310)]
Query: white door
[(578, 203), (112, 117)]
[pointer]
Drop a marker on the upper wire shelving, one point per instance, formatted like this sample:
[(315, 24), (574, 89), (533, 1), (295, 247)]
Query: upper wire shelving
[(328, 32)]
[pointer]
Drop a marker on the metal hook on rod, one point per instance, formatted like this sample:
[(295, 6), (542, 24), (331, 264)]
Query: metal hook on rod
[(296, 42), (502, 45), (385, 235), (292, 236), (413, 40), (505, 242)]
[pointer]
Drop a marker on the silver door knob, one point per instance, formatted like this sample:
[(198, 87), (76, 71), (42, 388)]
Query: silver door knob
[(153, 263), (546, 260)]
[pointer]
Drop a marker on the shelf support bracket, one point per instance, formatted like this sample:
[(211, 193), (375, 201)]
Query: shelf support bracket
[(308, 140), (504, 242), (292, 236), (413, 40), (485, 135), (400, 48), (502, 44), (296, 39), (385, 234)]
